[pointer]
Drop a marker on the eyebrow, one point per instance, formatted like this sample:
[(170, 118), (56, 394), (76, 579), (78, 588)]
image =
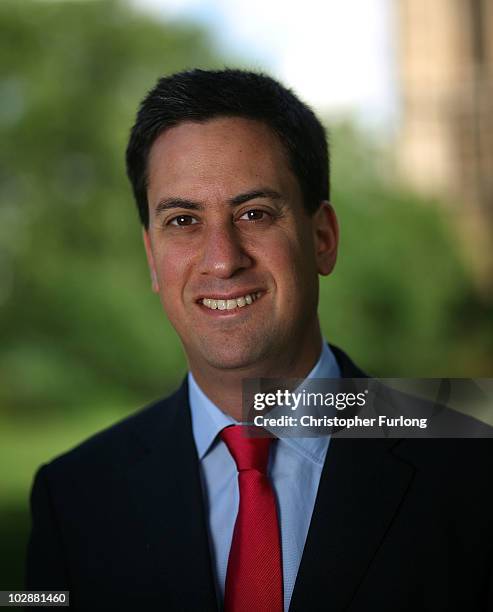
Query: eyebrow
[(253, 195), (171, 203)]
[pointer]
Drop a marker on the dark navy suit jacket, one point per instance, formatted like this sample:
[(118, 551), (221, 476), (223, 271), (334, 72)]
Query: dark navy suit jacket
[(398, 525)]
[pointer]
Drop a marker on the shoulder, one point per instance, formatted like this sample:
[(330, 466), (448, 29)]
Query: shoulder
[(124, 442), (451, 489), (346, 365), (471, 457)]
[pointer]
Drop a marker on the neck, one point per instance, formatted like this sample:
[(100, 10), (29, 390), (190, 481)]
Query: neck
[(225, 387)]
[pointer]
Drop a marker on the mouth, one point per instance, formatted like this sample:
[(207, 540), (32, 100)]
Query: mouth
[(230, 304)]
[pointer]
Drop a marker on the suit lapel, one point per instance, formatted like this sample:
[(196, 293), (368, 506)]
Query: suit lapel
[(361, 488), (168, 501)]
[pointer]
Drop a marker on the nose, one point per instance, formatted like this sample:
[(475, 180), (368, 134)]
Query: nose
[(223, 253)]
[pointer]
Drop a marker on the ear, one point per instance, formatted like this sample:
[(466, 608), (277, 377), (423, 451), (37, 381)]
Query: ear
[(150, 260), (326, 238)]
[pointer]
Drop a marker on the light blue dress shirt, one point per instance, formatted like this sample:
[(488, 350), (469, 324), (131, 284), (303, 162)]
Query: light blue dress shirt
[(295, 467)]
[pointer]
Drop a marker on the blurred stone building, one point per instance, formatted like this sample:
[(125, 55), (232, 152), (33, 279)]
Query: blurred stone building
[(445, 142)]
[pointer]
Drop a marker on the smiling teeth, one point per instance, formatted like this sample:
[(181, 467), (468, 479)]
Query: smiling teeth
[(240, 302)]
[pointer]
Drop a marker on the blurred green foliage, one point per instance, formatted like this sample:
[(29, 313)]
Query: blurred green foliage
[(78, 320), (83, 339), (401, 300), (79, 325)]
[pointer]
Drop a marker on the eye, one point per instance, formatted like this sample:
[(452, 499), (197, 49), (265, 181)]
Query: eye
[(183, 220), (254, 215)]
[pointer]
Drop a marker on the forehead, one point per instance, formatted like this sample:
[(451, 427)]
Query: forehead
[(222, 155)]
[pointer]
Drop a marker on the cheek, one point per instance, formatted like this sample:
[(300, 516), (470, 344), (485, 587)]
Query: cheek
[(171, 269), (290, 276), (295, 273), (172, 264), (294, 261), (169, 273)]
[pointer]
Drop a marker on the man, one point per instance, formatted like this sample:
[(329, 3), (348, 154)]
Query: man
[(176, 509)]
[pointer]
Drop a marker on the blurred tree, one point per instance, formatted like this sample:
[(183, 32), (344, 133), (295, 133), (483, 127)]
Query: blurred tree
[(80, 330), (400, 298), (79, 325), (78, 318)]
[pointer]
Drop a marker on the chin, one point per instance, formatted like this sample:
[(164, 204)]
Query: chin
[(233, 357), (231, 361)]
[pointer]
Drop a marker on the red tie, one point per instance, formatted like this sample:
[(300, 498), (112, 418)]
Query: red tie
[(254, 575)]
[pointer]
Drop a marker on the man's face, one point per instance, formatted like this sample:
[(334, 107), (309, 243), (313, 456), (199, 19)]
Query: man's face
[(232, 252)]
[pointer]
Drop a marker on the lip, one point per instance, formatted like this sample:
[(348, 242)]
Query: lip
[(234, 312), (230, 296)]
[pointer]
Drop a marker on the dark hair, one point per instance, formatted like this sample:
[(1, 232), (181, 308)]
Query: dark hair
[(199, 95)]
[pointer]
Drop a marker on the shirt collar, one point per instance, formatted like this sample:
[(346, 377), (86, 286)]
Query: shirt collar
[(208, 420), (315, 448)]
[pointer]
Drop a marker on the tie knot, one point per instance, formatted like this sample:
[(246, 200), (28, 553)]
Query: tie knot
[(249, 453)]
